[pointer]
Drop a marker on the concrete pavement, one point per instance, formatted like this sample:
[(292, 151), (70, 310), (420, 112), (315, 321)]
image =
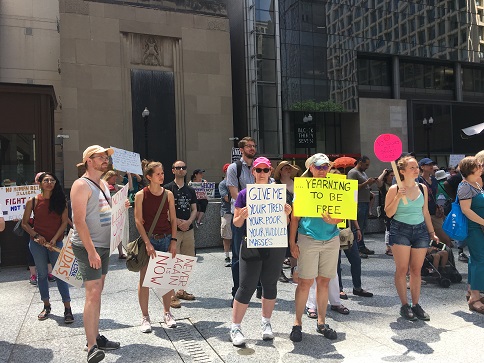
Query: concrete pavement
[(372, 332)]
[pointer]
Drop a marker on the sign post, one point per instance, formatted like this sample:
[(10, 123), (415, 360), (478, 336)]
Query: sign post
[(388, 148)]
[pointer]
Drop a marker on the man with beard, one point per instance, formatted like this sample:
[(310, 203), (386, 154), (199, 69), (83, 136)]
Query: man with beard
[(91, 214), (238, 176), (186, 212), (364, 194)]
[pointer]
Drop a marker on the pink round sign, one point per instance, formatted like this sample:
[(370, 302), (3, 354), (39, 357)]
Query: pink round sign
[(387, 147)]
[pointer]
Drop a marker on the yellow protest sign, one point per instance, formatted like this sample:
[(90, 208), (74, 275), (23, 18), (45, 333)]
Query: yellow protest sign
[(336, 196)]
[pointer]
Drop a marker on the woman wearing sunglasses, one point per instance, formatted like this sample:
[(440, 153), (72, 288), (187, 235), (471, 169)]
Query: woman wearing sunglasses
[(317, 251), (50, 221), (250, 271)]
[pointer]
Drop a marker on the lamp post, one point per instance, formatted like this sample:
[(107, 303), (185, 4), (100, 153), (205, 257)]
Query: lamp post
[(309, 119), (145, 114), (427, 124)]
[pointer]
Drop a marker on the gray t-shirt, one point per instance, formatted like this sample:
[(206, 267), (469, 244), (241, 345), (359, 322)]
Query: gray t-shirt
[(98, 217), (363, 193), (224, 191), (246, 177)]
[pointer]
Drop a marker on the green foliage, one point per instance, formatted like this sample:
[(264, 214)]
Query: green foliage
[(312, 106)]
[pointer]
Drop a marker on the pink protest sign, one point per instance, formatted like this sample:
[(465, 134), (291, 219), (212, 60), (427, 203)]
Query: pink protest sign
[(388, 147)]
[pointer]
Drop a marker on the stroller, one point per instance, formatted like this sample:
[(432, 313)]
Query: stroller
[(443, 275)]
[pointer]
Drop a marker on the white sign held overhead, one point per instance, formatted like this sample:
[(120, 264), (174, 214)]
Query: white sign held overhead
[(128, 161)]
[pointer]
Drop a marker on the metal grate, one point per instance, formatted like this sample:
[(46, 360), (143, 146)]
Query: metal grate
[(190, 344)]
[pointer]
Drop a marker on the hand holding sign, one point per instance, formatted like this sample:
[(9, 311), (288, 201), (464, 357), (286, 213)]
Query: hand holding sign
[(388, 148)]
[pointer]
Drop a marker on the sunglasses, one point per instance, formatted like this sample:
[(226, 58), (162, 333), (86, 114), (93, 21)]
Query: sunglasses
[(321, 167), (180, 167), (260, 170)]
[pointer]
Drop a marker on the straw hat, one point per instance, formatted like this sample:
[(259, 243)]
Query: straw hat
[(294, 170)]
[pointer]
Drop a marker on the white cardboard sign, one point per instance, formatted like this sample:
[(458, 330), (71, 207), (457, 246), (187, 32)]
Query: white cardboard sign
[(14, 198), (267, 221), (66, 267), (125, 160), (119, 214)]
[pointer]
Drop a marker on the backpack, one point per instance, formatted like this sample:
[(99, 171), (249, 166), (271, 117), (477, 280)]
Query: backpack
[(238, 163)]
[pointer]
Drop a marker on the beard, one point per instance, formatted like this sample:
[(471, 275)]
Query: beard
[(249, 156), (103, 167)]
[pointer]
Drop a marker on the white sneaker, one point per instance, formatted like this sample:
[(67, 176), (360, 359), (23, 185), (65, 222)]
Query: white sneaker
[(146, 325), (170, 320), (237, 337), (267, 333)]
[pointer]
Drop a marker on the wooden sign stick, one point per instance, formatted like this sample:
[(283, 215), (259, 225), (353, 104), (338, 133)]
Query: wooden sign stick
[(399, 181)]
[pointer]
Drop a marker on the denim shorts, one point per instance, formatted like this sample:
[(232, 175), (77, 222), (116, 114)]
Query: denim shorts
[(162, 244), (411, 235)]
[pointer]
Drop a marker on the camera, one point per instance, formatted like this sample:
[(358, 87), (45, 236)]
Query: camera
[(439, 245)]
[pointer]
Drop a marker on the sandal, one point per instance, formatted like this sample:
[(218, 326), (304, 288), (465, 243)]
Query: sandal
[(44, 314), (479, 310), (343, 296), (326, 331), (311, 313), (340, 309), (68, 317), (389, 253)]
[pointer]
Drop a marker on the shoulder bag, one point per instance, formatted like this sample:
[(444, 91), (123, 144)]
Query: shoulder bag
[(346, 238), (137, 256), (455, 224), (18, 230)]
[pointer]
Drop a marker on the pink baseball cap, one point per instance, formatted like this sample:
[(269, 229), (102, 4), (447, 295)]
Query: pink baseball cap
[(261, 160)]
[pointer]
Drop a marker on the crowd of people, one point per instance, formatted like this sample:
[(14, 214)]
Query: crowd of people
[(166, 214)]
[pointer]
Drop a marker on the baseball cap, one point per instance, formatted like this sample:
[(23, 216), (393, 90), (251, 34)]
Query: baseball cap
[(425, 161), (198, 171), (261, 160), (225, 167), (316, 159), (95, 149)]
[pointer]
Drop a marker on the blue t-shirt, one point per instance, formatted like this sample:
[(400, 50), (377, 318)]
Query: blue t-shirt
[(316, 228), (224, 191), (432, 193)]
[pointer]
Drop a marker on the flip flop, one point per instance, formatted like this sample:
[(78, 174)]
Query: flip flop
[(389, 253), (340, 309), (311, 313), (477, 310)]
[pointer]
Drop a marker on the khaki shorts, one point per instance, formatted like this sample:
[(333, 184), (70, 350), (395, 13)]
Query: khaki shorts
[(317, 258), (185, 243), (225, 226)]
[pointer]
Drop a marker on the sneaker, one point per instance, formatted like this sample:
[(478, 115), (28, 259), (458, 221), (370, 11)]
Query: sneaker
[(366, 251), (296, 333), (146, 325), (283, 277), (169, 320), (95, 355), (104, 344), (267, 333), (175, 302), (33, 280), (237, 337), (407, 313), (228, 263), (51, 278), (326, 331), (362, 292), (363, 255), (182, 294), (463, 257), (68, 317), (420, 313)]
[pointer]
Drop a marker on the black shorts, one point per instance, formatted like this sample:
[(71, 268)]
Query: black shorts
[(202, 205)]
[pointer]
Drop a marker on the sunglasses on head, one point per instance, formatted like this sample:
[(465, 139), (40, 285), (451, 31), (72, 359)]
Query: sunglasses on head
[(260, 170), (180, 167), (321, 167)]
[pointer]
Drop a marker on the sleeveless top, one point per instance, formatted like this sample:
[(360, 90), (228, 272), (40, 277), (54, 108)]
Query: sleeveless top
[(98, 217), (412, 212), (151, 203), (46, 223)]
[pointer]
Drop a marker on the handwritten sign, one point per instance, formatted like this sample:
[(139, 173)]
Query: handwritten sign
[(67, 267), (204, 190), (387, 147), (166, 273), (454, 159), (119, 214), (14, 198), (128, 161), (313, 196), (305, 136), (267, 221)]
